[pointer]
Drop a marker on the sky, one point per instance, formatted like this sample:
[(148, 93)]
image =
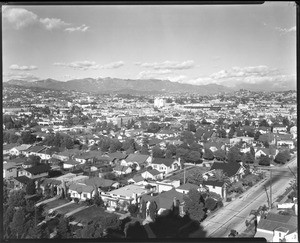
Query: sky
[(231, 45)]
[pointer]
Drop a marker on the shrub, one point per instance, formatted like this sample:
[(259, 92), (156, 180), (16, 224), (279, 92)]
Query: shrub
[(76, 200), (228, 199)]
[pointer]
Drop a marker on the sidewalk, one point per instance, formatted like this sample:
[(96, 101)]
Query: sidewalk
[(76, 211), (46, 201), (53, 209)]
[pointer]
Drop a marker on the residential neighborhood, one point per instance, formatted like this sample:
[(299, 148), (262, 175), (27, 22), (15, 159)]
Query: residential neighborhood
[(143, 168), (150, 122)]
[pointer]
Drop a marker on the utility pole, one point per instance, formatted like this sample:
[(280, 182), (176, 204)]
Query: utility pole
[(270, 189), (184, 175)]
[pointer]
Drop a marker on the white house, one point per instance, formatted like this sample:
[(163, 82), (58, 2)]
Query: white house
[(19, 149), (81, 191), (152, 175), (122, 170), (138, 159), (124, 196), (278, 228), (279, 129), (165, 166)]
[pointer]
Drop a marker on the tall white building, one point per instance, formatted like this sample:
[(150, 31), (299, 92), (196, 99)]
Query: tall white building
[(159, 102)]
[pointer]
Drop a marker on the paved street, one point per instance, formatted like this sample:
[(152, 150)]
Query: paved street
[(234, 214)]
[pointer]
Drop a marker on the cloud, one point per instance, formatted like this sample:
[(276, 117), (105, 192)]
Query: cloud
[(19, 17), (22, 68), (112, 65), (286, 31), (164, 74), (82, 28), (86, 65), (168, 65), (78, 65), (53, 23), (29, 77), (253, 77)]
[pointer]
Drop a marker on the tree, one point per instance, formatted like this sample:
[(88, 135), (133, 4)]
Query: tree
[(191, 126), (222, 133), (188, 137), (231, 133), (63, 228), (157, 152), (153, 210), (247, 122), (17, 224), (220, 175), (208, 154), (210, 203), (257, 135), (115, 145), (144, 150), (249, 158), (263, 123), (281, 158), (285, 122), (234, 155), (98, 200), (17, 198), (143, 209), (34, 160), (266, 144), (220, 154), (30, 188), (252, 151), (193, 157), (264, 160), (193, 205), (133, 209), (181, 153)]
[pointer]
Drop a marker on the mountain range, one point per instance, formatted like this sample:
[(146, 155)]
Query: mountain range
[(115, 85)]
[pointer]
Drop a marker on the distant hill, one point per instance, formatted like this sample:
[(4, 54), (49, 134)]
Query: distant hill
[(114, 85)]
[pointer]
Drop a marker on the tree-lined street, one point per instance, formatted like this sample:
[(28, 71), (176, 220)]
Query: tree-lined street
[(234, 214)]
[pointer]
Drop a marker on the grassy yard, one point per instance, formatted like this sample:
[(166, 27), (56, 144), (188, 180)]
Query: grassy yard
[(55, 203), (89, 214), (188, 172), (68, 208)]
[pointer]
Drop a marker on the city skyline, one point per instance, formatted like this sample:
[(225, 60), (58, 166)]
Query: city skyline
[(195, 44)]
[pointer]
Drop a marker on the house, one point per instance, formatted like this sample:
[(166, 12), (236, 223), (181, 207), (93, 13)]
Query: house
[(266, 152), (165, 185), (247, 140), (81, 191), (19, 149), (40, 151), (138, 159), (234, 171), (122, 170), (165, 201), (10, 170), (165, 166), (66, 155), (278, 228), (293, 131), (279, 129), (216, 186), (20, 182), (124, 196), (117, 156), (138, 180), (36, 172), (267, 137), (185, 188), (8, 147), (69, 164), (101, 183), (152, 175)]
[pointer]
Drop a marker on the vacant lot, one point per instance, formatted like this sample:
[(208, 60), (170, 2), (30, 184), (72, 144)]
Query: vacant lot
[(55, 203), (89, 214), (189, 172)]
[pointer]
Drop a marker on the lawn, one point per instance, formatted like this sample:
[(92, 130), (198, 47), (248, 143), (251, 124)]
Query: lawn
[(89, 214), (55, 203), (69, 208), (189, 172)]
